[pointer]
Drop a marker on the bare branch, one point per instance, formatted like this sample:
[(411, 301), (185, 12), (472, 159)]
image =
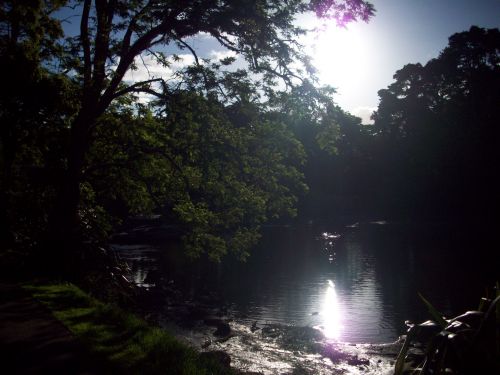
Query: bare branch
[(225, 41), (133, 23), (145, 65), (141, 44), (84, 37), (183, 43), (137, 87), (205, 78)]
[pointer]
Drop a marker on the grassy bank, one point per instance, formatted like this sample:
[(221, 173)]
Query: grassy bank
[(121, 342)]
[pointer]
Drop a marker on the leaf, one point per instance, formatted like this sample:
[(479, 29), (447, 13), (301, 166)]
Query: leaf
[(438, 317), (399, 367)]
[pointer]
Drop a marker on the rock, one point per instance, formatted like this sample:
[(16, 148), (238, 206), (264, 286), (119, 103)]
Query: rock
[(271, 330), (223, 328), (206, 344), (218, 356), (254, 327), (356, 361)]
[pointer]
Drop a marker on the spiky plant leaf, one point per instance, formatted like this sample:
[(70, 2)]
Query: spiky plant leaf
[(438, 317)]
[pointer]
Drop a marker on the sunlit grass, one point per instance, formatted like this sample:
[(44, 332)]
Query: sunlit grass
[(121, 342)]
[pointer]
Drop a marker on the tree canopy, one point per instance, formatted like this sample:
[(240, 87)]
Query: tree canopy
[(439, 126), (212, 152), (431, 152)]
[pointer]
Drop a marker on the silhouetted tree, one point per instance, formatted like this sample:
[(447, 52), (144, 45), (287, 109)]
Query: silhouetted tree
[(33, 106), (437, 130)]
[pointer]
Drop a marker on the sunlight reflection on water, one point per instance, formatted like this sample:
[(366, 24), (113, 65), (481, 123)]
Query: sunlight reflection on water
[(331, 313)]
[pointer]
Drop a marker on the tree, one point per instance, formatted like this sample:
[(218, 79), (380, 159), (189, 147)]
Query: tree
[(114, 33), (32, 108), (331, 138), (439, 130), (217, 171)]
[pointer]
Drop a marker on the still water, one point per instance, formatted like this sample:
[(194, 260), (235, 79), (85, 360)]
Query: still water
[(357, 283)]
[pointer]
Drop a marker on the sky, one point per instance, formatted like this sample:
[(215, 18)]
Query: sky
[(363, 58)]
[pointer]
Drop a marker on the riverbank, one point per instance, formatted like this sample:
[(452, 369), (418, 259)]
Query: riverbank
[(32, 341), (59, 329), (71, 332)]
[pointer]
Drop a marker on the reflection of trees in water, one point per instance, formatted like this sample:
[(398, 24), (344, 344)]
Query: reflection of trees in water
[(377, 273)]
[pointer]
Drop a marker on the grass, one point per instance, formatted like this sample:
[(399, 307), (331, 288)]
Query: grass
[(121, 342)]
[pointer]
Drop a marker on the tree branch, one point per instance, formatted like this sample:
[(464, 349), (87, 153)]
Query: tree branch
[(130, 29), (139, 45), (137, 87), (84, 37), (205, 78), (105, 12)]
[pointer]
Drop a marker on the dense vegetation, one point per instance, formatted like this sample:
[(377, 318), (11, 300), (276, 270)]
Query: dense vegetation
[(212, 151), (223, 146)]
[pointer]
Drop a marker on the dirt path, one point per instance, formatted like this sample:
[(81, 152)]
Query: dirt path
[(32, 341)]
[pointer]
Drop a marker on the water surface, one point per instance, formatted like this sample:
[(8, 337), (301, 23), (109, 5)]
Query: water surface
[(357, 284)]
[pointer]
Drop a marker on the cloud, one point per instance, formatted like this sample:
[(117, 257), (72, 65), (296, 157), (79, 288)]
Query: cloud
[(221, 54), (364, 112), (186, 59), (202, 35), (149, 68)]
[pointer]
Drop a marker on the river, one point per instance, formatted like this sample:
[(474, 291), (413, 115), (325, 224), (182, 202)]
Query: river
[(355, 283)]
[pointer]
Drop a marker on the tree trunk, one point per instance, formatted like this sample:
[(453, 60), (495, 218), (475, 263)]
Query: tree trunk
[(64, 236), (9, 147)]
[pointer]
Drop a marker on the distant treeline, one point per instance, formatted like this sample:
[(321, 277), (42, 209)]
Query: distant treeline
[(433, 150)]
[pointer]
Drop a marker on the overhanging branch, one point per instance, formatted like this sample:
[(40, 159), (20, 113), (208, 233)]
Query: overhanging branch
[(138, 87)]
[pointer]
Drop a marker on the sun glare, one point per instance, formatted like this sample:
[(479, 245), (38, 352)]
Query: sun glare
[(340, 56), (332, 316)]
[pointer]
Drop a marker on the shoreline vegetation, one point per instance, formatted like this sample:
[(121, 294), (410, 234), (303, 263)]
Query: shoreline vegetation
[(120, 341)]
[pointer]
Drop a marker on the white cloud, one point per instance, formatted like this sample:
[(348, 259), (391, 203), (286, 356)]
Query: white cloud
[(203, 35), (364, 113), (186, 59), (149, 68), (222, 54)]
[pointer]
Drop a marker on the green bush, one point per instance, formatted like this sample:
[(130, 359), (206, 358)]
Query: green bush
[(466, 344)]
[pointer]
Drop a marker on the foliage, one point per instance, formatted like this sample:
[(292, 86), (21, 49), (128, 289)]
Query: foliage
[(219, 171), (334, 142), (120, 341), (35, 111), (211, 154), (466, 344), (433, 143)]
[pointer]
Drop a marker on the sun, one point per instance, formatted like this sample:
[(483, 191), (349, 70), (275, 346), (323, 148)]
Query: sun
[(340, 56)]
